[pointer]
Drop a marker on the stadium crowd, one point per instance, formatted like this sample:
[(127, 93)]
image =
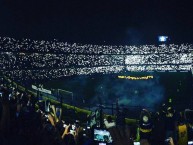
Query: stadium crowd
[(27, 45), (10, 60), (30, 59), (26, 119), (44, 74)]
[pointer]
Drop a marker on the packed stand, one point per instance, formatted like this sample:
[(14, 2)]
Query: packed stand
[(8, 44), (31, 59)]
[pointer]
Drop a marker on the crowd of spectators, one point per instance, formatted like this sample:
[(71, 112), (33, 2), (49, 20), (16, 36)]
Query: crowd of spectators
[(159, 68), (159, 59), (25, 122), (47, 74), (26, 119), (28, 45), (10, 60), (31, 59)]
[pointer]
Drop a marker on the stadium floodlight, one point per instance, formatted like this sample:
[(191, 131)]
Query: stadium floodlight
[(162, 38)]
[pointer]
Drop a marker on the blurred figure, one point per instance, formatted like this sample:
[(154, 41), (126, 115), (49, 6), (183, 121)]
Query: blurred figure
[(171, 124), (120, 118), (169, 141), (69, 138), (158, 133), (5, 115), (144, 142), (182, 136), (109, 122), (188, 114), (120, 136), (145, 124)]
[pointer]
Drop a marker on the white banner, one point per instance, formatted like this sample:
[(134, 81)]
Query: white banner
[(41, 89)]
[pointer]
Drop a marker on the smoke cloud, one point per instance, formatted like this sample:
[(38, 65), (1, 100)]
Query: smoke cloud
[(90, 91), (142, 93)]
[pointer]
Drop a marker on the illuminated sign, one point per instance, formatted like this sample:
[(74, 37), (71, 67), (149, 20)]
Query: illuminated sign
[(135, 78)]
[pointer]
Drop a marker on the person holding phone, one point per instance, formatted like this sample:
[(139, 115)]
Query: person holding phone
[(71, 132)]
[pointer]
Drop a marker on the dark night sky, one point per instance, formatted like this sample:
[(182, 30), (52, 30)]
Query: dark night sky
[(112, 21)]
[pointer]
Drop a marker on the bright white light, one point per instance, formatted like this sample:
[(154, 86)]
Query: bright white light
[(190, 142), (162, 38)]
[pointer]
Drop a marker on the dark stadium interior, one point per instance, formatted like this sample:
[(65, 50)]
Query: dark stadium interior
[(103, 72), (88, 89)]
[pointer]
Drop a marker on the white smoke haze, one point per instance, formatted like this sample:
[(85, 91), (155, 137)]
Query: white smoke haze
[(142, 93)]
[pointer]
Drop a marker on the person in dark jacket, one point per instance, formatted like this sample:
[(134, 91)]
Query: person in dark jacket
[(171, 124), (145, 125)]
